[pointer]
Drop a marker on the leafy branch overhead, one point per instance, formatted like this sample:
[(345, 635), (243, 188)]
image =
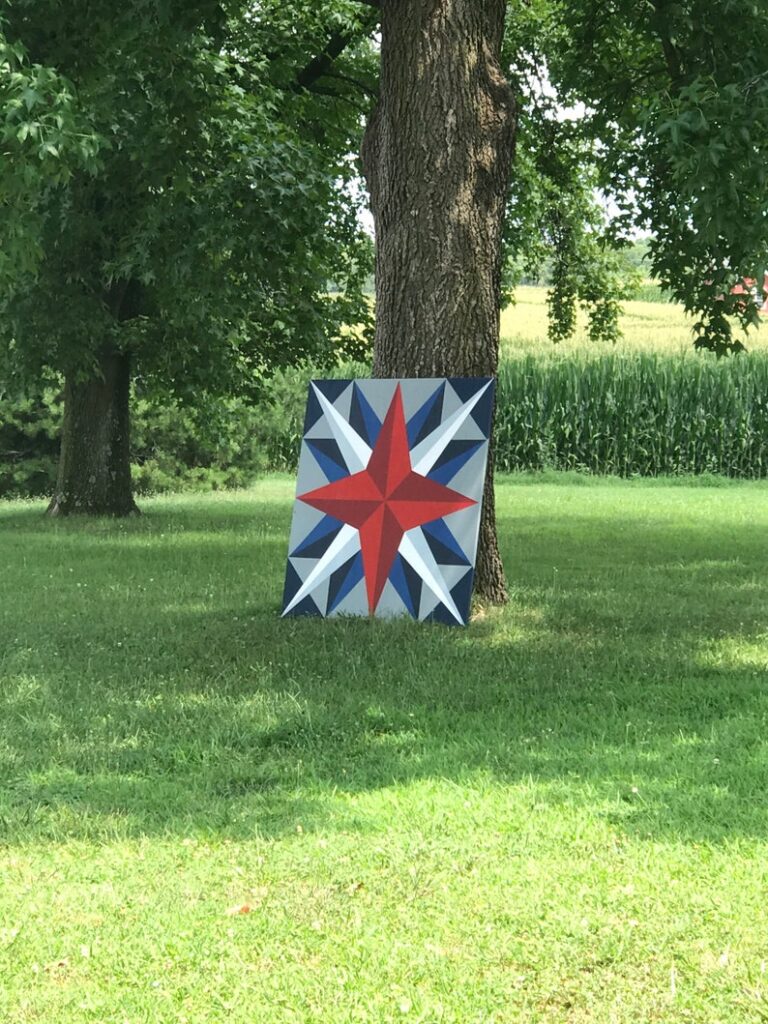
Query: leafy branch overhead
[(677, 100), (174, 204), (179, 197)]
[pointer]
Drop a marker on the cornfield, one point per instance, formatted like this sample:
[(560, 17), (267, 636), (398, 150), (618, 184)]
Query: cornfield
[(634, 413)]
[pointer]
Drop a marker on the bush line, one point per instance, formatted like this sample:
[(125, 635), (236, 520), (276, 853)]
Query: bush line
[(625, 414)]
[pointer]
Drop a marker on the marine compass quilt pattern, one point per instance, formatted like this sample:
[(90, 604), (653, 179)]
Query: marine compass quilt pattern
[(388, 501)]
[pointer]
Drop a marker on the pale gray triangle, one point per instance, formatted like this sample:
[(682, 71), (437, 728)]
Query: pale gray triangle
[(453, 574), (390, 604), (320, 430), (464, 526), (310, 475), (355, 451), (416, 392), (427, 604), (471, 477), (306, 459), (469, 431), (451, 403), (305, 519), (301, 565), (341, 548), (319, 595), (355, 603), (378, 394), (344, 402)]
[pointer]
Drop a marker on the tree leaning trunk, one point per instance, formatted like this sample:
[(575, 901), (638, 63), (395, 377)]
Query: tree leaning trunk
[(94, 474), (437, 156)]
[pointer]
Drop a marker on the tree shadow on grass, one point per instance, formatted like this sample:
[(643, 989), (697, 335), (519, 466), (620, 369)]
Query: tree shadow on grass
[(627, 677)]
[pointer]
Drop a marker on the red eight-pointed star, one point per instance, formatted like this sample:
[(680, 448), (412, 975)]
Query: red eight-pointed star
[(386, 499)]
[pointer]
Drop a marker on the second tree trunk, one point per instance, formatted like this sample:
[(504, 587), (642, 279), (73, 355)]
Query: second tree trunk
[(94, 475)]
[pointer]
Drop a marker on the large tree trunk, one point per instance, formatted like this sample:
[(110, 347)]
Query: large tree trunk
[(437, 156), (94, 475)]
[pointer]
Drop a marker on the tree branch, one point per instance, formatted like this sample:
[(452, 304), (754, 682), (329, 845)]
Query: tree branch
[(322, 90), (321, 64), (670, 51), (337, 43), (368, 89)]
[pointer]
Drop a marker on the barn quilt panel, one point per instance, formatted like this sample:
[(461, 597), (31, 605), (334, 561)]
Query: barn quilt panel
[(388, 500)]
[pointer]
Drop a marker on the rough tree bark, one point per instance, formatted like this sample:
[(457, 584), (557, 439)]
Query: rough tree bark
[(94, 472), (437, 155)]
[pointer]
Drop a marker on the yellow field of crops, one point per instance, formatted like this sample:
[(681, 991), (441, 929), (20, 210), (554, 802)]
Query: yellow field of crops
[(645, 326)]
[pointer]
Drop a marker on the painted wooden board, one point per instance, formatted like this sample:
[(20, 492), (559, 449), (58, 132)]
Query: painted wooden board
[(388, 499)]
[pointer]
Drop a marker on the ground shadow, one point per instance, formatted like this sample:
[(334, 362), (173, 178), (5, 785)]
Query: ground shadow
[(628, 674)]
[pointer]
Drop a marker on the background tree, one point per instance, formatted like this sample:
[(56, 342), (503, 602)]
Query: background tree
[(675, 107), (556, 226), (676, 97), (192, 241)]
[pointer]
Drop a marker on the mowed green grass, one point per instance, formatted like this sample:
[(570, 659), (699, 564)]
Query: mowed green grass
[(558, 814), (646, 327)]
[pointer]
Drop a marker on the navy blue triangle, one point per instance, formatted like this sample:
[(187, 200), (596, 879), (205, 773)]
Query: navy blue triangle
[(466, 388), (328, 456), (313, 411), (407, 583), (362, 417), (292, 583), (455, 449), (427, 418), (482, 413), (343, 580), (462, 597), (332, 388), (305, 607), (456, 455), (317, 542), (443, 544), (415, 585)]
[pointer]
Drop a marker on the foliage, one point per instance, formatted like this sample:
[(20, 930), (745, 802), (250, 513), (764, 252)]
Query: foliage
[(43, 139), (636, 253), (555, 223), (29, 430), (213, 444), (677, 98), (586, 270), (201, 238), (573, 822), (220, 444), (629, 413)]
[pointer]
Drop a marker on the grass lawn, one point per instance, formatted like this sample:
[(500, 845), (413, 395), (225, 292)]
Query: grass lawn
[(645, 326), (556, 815)]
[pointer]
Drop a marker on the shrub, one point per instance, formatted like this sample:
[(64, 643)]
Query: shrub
[(624, 414)]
